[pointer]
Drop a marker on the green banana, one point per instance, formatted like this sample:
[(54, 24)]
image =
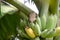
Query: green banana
[(49, 38), (22, 24), (50, 34), (55, 20), (37, 38), (51, 21), (43, 21), (35, 28), (21, 27), (44, 33), (23, 34), (38, 20)]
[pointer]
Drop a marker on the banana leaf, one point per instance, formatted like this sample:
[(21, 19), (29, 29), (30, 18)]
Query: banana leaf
[(7, 8), (20, 6), (8, 25)]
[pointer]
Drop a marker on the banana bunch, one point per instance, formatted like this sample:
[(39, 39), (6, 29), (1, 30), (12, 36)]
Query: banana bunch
[(51, 22), (44, 26), (31, 26)]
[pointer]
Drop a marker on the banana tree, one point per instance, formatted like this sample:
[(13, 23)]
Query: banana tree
[(18, 20)]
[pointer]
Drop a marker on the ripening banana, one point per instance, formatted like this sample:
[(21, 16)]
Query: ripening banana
[(30, 32), (57, 31), (35, 28)]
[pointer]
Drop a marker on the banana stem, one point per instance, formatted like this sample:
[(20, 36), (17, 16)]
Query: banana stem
[(42, 6), (54, 5)]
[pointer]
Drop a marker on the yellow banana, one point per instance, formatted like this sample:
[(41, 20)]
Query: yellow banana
[(30, 32), (57, 31)]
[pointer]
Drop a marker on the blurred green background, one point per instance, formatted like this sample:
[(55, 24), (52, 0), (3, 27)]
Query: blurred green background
[(59, 13)]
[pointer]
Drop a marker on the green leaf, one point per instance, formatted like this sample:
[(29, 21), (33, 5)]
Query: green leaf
[(20, 6), (8, 25), (7, 9)]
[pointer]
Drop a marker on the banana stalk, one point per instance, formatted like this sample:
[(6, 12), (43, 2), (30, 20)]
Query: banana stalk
[(54, 5), (42, 6)]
